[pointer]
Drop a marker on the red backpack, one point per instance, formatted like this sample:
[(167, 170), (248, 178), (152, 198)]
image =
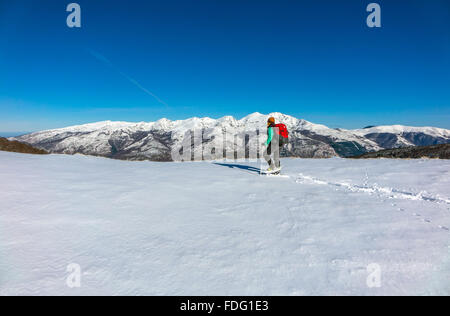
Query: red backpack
[(281, 130)]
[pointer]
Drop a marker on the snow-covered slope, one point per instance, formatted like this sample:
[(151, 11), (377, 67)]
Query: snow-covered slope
[(401, 136), (155, 140), (202, 228)]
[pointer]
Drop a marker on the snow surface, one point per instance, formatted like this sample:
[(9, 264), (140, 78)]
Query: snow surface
[(205, 228)]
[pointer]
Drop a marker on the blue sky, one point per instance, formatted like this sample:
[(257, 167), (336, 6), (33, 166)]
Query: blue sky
[(144, 60)]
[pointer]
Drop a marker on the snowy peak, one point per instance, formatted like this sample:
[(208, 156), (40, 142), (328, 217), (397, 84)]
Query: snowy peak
[(253, 117)]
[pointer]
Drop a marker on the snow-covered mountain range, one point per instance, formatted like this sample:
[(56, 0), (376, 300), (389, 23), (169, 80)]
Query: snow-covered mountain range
[(156, 140)]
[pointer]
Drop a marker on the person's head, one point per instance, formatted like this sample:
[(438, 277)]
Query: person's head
[(270, 121)]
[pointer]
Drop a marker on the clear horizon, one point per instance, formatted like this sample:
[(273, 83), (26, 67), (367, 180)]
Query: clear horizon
[(318, 61)]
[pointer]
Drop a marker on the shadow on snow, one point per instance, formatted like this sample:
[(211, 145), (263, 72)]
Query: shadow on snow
[(237, 166)]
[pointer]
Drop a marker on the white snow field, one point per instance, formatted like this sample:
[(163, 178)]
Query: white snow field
[(203, 228)]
